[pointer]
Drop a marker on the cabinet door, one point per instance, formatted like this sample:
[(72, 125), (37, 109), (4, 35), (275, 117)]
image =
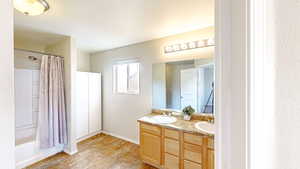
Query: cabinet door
[(94, 102), (172, 147), (211, 161), (171, 161), (150, 148), (192, 153), (82, 105), (191, 165)]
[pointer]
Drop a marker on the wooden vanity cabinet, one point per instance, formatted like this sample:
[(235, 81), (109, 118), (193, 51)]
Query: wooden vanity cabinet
[(210, 154), (171, 158), (150, 144), (167, 148)]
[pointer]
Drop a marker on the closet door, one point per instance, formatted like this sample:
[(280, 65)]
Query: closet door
[(95, 118), (82, 104)]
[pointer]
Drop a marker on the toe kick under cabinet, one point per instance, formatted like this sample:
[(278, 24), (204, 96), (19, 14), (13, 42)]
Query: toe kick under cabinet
[(167, 148)]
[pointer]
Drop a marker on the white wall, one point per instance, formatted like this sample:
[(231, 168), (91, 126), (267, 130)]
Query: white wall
[(231, 84), (67, 49), (120, 112), (7, 115), (282, 63), (287, 82)]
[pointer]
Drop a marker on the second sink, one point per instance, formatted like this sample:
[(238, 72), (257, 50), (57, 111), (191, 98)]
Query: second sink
[(206, 127)]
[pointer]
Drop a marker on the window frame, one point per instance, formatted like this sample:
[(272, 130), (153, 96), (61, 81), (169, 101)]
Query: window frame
[(115, 78)]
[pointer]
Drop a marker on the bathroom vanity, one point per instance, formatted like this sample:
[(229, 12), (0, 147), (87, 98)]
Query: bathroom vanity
[(169, 142), (176, 145)]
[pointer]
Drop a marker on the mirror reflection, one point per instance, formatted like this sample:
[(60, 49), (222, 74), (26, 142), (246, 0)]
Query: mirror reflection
[(179, 84)]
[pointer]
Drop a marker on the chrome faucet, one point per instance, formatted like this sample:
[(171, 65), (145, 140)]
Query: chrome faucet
[(166, 113)]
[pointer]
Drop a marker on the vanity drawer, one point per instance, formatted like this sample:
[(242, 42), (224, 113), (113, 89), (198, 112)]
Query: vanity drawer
[(151, 129), (171, 162), (192, 153), (172, 147), (172, 134), (192, 138), (191, 165)]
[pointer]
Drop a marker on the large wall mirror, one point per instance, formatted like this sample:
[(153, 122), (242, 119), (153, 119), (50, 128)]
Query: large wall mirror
[(179, 84)]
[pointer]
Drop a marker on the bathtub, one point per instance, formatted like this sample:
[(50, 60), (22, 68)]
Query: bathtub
[(27, 149)]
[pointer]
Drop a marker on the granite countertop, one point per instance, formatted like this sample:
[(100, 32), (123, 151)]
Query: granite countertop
[(180, 124)]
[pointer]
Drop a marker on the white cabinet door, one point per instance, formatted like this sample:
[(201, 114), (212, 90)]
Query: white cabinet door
[(95, 121), (82, 104)]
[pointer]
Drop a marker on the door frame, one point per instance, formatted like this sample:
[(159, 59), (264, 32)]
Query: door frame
[(232, 83)]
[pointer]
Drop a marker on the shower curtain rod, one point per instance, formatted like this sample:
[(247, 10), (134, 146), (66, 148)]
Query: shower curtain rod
[(43, 53)]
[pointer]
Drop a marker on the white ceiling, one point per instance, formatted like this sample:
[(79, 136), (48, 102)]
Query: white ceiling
[(105, 24)]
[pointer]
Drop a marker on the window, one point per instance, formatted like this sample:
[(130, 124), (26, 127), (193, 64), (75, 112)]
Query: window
[(126, 78)]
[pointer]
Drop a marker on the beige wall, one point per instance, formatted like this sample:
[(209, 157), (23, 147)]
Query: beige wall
[(120, 112), (29, 45), (7, 114), (83, 61), (159, 100), (22, 61)]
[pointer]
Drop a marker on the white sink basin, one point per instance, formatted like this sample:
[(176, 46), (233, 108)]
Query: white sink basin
[(206, 127), (163, 119)]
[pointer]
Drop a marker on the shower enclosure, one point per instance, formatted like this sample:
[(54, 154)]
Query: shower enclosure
[(27, 93), (27, 73)]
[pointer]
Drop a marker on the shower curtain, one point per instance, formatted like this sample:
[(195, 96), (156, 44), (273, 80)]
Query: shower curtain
[(52, 109)]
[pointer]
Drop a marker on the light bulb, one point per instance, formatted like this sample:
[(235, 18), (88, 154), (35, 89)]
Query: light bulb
[(176, 47), (192, 45), (211, 42), (183, 46), (168, 49)]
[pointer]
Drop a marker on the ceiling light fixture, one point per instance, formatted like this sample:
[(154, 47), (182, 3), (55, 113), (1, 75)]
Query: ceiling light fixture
[(31, 7)]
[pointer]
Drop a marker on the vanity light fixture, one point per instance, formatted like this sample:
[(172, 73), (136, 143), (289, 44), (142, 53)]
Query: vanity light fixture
[(31, 7), (169, 49), (192, 45), (210, 42), (189, 45), (201, 43), (176, 47), (183, 46)]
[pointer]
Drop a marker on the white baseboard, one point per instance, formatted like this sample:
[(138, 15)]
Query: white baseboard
[(88, 136), (121, 137), (70, 152), (39, 157)]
